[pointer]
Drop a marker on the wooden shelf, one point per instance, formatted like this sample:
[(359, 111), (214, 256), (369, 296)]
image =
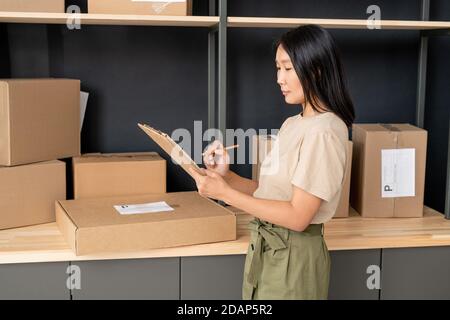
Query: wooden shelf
[(263, 22), (356, 232), (45, 243), (208, 21), (109, 19)]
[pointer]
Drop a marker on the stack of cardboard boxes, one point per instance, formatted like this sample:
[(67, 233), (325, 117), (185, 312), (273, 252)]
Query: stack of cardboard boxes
[(39, 123), (92, 222), (120, 205)]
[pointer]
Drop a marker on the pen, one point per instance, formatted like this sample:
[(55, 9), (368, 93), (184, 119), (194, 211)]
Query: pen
[(227, 148)]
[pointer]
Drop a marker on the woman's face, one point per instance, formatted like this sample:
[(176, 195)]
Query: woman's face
[(287, 78)]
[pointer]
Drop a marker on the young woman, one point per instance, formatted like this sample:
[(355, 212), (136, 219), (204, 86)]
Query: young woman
[(287, 255)]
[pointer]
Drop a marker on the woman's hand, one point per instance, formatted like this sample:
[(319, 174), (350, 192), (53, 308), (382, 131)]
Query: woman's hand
[(216, 158), (211, 184)]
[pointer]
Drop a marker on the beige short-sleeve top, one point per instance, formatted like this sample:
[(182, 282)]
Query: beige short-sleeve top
[(309, 153)]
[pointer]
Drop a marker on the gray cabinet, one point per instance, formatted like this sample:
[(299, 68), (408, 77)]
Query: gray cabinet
[(220, 277), (156, 278), (212, 277), (349, 274), (407, 273), (34, 281), (416, 273)]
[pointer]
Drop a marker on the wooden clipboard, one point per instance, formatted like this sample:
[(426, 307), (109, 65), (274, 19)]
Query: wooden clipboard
[(173, 149)]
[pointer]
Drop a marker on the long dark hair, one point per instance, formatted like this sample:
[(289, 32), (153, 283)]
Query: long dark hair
[(317, 62)]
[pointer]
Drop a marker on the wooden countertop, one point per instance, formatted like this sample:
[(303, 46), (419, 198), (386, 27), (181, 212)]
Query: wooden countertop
[(44, 243)]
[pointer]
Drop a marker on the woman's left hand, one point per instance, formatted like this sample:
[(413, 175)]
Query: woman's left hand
[(211, 184)]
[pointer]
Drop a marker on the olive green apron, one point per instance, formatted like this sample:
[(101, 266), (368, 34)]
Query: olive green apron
[(285, 264)]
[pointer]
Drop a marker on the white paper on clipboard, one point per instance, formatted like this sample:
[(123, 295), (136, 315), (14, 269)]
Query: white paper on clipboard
[(178, 155)]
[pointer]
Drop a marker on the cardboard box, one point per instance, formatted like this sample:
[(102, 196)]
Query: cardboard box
[(28, 193), (343, 208), (94, 225), (263, 144), (118, 174), (168, 8), (57, 6), (243, 220), (39, 120), (388, 173)]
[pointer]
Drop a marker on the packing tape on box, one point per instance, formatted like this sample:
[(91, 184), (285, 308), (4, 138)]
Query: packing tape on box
[(393, 129), (390, 127)]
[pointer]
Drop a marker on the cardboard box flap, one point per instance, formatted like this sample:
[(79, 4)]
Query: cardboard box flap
[(369, 127), (118, 157), (87, 213), (384, 127), (401, 127), (405, 127)]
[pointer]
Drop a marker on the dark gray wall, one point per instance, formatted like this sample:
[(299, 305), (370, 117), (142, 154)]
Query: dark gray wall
[(4, 53), (159, 75)]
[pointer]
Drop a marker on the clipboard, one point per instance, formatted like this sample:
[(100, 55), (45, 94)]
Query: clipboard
[(173, 149)]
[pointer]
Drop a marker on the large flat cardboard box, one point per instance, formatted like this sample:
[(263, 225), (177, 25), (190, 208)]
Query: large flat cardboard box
[(94, 225), (39, 120), (118, 174), (261, 146), (28, 193), (57, 6), (168, 8), (388, 173)]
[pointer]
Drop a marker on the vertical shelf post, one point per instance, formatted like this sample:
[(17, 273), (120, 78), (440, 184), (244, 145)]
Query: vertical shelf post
[(212, 36), (422, 67), (447, 190), (222, 67)]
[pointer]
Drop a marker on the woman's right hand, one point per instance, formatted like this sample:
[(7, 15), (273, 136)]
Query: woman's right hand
[(216, 158)]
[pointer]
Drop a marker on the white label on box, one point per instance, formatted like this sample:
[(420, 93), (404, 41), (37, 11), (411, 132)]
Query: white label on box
[(151, 207), (398, 173)]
